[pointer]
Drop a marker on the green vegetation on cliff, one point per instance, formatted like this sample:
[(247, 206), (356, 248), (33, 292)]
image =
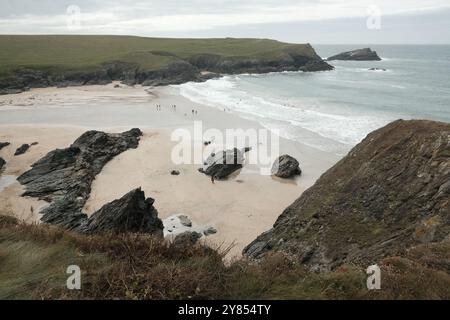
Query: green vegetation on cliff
[(84, 52)]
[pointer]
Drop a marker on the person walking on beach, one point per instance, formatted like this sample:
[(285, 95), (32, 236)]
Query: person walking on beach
[(212, 179)]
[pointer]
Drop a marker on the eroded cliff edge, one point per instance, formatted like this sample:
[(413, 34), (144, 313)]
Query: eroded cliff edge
[(87, 60), (390, 193)]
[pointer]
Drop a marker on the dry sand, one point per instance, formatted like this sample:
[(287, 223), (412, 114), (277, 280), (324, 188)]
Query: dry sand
[(240, 208)]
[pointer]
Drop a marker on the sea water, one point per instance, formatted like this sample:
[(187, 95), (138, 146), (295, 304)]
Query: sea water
[(335, 110)]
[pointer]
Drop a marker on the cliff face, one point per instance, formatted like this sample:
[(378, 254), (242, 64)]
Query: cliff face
[(391, 192), (176, 69)]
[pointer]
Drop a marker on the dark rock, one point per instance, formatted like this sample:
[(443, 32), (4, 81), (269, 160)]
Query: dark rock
[(209, 231), (22, 149), (186, 239), (176, 72), (175, 172), (131, 213), (365, 54), (224, 163), (185, 221), (64, 176), (389, 194), (3, 145), (2, 163), (316, 66), (286, 167)]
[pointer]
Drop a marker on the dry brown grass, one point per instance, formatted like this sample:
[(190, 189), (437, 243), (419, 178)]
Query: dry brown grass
[(33, 262)]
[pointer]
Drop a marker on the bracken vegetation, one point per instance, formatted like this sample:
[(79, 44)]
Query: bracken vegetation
[(34, 258)]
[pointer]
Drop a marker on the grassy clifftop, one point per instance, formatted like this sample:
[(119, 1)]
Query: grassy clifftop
[(81, 52)]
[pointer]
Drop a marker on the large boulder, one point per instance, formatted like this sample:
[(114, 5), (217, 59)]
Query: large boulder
[(220, 165), (132, 213), (365, 54), (390, 193), (286, 167)]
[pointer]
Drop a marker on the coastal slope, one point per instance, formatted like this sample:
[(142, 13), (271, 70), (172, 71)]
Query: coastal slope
[(390, 193), (45, 61)]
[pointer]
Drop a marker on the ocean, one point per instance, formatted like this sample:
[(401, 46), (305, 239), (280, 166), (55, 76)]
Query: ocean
[(333, 111)]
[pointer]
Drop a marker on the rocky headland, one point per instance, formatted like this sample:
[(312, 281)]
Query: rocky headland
[(175, 69), (389, 194)]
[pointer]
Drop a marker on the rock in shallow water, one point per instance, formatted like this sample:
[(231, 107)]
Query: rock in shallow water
[(286, 167)]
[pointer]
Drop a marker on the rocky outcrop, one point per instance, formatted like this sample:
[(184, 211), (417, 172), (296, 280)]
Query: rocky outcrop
[(221, 165), (3, 145), (198, 68), (2, 163), (286, 167), (22, 149), (365, 54), (64, 176), (391, 192), (132, 213)]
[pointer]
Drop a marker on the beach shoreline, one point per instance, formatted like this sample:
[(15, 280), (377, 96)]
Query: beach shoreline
[(239, 208)]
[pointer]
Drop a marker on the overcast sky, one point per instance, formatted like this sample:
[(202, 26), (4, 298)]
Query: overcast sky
[(314, 21)]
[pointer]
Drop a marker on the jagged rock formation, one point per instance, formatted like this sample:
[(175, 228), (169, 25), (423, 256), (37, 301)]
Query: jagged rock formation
[(286, 167), (132, 213), (221, 165), (200, 67), (64, 177), (3, 145), (2, 163), (365, 54), (391, 192)]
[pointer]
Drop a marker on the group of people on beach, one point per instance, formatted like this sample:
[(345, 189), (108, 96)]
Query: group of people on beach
[(174, 108)]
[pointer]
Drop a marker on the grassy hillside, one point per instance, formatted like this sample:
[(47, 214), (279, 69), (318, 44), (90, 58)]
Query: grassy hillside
[(33, 262), (81, 52)]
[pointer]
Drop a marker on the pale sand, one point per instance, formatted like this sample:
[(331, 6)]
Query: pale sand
[(240, 208)]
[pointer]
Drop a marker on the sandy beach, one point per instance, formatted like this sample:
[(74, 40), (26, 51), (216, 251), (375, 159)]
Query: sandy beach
[(239, 208)]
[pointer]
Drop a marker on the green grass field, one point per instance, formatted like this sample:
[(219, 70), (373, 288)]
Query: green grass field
[(81, 52)]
